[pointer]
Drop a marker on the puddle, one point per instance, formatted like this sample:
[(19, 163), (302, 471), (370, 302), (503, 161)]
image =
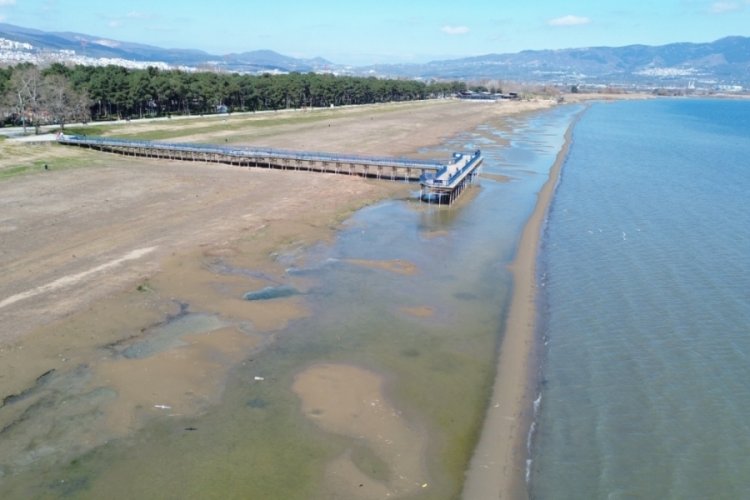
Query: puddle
[(312, 270), (272, 292), (53, 421), (466, 296), (224, 268), (168, 335)]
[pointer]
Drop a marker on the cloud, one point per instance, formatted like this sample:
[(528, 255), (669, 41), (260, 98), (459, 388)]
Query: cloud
[(454, 30), (723, 7), (5, 3), (569, 20), (50, 6), (126, 19), (136, 15)]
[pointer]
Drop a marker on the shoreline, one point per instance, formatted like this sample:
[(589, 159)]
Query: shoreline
[(245, 223), (498, 467)]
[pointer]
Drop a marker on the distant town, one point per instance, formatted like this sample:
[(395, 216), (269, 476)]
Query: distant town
[(12, 52)]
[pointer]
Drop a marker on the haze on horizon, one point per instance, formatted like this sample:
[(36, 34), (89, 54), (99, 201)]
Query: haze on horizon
[(370, 32)]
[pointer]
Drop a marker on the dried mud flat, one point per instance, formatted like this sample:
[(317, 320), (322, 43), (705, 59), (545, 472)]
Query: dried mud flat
[(73, 236), (95, 255)]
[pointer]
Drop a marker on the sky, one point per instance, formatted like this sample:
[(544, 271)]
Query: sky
[(368, 32)]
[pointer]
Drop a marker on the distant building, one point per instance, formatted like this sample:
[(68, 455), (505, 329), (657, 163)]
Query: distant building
[(485, 96)]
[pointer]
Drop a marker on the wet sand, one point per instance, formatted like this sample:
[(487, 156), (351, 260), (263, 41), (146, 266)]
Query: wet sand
[(351, 401), (396, 266), (419, 311), (175, 382), (498, 467)]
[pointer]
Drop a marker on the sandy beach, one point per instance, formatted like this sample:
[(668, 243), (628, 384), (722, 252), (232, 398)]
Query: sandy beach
[(498, 467), (102, 246)]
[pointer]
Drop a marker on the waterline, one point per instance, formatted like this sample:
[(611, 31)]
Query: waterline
[(500, 459)]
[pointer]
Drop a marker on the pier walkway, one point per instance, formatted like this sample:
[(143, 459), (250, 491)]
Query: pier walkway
[(447, 181), (446, 184), (366, 166)]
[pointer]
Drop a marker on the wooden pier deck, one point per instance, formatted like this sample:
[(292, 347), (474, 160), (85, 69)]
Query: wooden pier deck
[(379, 167), (439, 182), (446, 184)]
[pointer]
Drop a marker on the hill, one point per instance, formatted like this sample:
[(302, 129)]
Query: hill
[(40, 46), (724, 62)]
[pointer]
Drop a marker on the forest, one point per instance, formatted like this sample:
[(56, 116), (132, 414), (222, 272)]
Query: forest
[(31, 96)]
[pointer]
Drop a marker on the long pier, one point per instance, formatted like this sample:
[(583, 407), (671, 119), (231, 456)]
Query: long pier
[(377, 167)]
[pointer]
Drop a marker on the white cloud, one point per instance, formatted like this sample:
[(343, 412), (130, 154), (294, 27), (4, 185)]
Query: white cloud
[(454, 30), (5, 3), (723, 7), (50, 6), (569, 20), (123, 20), (138, 15)]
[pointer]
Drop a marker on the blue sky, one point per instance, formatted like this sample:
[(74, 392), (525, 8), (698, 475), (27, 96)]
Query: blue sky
[(365, 31)]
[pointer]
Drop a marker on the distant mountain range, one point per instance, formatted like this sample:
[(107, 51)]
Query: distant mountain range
[(725, 62), (54, 46)]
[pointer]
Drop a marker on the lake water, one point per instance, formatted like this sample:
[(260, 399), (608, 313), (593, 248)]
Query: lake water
[(645, 270)]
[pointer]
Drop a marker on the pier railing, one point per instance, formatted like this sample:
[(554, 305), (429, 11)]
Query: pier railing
[(370, 166), (445, 184), (438, 181)]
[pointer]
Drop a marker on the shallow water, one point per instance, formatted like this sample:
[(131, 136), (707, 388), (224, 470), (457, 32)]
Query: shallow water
[(410, 293), (646, 307), (167, 335), (272, 292)]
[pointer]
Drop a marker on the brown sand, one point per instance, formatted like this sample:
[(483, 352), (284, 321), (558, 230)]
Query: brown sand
[(396, 266), (379, 129), (419, 311), (497, 469), (350, 401)]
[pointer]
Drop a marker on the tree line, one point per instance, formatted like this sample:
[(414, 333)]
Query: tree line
[(61, 94), (32, 97)]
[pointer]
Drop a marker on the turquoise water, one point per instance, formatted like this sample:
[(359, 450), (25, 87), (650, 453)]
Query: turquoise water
[(645, 268)]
